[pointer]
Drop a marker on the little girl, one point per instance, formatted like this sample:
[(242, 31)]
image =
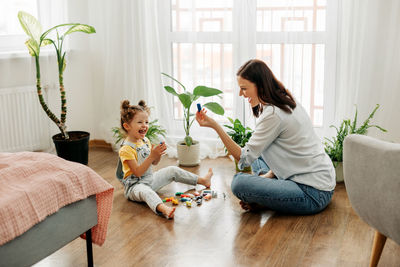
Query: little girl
[(136, 156)]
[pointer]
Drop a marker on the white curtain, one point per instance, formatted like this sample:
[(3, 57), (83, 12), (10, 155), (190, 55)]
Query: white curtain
[(127, 64), (126, 60), (368, 70)]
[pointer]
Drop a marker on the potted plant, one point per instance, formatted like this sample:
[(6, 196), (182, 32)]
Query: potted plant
[(73, 145), (153, 133), (241, 136), (189, 149), (334, 146)]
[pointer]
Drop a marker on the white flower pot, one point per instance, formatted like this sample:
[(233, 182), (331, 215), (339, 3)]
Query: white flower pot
[(188, 155), (339, 172)]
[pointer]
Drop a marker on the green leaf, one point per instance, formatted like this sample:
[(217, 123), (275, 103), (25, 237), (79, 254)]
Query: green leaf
[(188, 140), (185, 99), (33, 47), (184, 88), (46, 42), (170, 90), (230, 119), (206, 91), (215, 107), (80, 28), (30, 25)]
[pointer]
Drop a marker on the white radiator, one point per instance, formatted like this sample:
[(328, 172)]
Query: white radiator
[(24, 126)]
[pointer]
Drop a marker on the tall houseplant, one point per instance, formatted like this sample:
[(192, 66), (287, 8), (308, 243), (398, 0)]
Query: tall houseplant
[(188, 149), (70, 145), (334, 146), (240, 135)]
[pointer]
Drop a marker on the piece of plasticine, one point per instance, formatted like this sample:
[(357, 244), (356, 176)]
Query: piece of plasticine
[(178, 193), (198, 107)]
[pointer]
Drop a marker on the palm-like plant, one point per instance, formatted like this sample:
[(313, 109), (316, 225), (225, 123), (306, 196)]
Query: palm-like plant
[(187, 98), (37, 39), (238, 132), (334, 146)]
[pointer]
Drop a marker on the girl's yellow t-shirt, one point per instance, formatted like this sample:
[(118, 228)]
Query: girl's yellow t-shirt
[(126, 152)]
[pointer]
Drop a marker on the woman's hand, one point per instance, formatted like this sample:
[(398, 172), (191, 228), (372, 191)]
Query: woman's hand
[(204, 120)]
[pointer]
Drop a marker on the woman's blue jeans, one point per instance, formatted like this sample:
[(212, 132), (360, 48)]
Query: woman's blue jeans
[(283, 196)]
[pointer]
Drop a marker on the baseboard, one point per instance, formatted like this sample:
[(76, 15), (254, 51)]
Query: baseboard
[(97, 143)]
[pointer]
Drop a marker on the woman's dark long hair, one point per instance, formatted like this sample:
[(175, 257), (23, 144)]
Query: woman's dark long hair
[(269, 89)]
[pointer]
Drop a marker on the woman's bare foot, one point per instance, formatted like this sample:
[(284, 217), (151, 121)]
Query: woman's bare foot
[(269, 174), (206, 180), (167, 211), (250, 206)]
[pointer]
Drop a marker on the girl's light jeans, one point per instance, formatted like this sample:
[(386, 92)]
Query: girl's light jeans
[(283, 196), (146, 191)]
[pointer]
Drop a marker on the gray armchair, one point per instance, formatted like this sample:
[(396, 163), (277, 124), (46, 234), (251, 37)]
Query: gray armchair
[(372, 178)]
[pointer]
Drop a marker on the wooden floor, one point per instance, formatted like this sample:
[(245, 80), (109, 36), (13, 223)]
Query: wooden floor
[(219, 233)]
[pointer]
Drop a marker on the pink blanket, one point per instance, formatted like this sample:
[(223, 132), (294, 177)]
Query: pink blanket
[(34, 185)]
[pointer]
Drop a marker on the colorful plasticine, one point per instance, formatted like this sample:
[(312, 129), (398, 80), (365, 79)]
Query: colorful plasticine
[(198, 107), (199, 201), (207, 197), (178, 193), (175, 201), (196, 193)]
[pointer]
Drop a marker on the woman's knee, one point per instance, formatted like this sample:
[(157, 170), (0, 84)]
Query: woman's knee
[(238, 183)]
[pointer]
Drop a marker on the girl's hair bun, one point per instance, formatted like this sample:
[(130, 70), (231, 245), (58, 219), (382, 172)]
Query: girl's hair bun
[(142, 103), (125, 104)]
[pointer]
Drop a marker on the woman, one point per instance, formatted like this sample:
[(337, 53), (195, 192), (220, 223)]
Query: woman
[(291, 171)]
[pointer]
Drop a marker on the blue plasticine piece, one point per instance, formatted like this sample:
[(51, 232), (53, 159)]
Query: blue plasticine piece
[(198, 107)]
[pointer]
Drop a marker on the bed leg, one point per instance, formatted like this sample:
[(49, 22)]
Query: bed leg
[(89, 249)]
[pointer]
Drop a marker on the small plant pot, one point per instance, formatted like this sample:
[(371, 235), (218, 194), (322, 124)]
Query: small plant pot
[(339, 171), (188, 156), (76, 148), (246, 169)]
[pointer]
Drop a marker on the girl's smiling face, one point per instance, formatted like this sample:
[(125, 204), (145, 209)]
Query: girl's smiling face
[(248, 90), (138, 126)]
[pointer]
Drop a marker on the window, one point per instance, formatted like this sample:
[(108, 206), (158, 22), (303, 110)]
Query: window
[(203, 58), (210, 39), (291, 40), (12, 37)]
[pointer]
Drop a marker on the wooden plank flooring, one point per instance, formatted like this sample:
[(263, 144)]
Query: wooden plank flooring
[(219, 233)]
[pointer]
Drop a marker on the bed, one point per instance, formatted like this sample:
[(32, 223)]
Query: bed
[(45, 203)]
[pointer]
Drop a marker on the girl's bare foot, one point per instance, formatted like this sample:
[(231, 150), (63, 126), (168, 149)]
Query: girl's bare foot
[(269, 174), (206, 180), (168, 212), (250, 206)]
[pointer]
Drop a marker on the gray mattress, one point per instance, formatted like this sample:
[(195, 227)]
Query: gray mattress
[(48, 236)]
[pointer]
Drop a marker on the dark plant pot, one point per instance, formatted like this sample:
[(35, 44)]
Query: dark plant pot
[(76, 148)]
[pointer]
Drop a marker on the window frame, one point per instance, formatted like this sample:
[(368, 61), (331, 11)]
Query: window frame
[(252, 38)]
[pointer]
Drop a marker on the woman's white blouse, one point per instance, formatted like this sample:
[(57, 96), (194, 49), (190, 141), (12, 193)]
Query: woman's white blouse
[(288, 144)]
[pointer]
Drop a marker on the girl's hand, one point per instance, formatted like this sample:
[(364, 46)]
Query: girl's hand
[(204, 120), (158, 150)]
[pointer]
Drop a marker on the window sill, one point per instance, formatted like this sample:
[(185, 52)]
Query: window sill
[(22, 54)]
